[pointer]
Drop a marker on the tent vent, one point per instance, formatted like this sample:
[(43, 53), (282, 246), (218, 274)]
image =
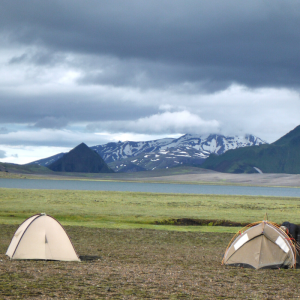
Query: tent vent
[(241, 241), (46, 241), (281, 243)]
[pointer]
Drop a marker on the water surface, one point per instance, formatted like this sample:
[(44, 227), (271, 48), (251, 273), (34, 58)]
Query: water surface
[(148, 187)]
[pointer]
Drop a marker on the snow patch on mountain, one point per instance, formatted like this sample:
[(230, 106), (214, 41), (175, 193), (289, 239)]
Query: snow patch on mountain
[(188, 149)]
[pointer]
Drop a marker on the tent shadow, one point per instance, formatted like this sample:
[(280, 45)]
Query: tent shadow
[(89, 257)]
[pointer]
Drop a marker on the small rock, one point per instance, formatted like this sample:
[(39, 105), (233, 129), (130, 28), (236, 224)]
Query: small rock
[(108, 289)]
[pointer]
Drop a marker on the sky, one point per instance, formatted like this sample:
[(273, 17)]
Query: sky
[(101, 71)]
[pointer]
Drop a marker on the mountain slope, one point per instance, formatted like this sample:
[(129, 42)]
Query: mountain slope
[(80, 159), (282, 156), (45, 162), (161, 159), (202, 146)]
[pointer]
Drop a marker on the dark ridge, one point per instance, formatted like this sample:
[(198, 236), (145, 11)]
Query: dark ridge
[(81, 159), (295, 133), (200, 222)]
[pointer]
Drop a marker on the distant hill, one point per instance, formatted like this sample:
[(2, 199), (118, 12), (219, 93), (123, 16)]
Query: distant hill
[(165, 153), (80, 159), (282, 156), (23, 169)]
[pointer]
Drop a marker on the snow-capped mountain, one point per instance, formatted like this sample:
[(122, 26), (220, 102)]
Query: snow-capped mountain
[(164, 153), (204, 146)]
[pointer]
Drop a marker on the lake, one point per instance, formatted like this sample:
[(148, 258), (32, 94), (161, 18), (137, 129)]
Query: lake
[(148, 187)]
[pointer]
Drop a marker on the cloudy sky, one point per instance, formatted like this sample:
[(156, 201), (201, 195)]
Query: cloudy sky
[(98, 71)]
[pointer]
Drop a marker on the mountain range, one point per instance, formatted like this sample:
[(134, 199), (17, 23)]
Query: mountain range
[(164, 153), (282, 156)]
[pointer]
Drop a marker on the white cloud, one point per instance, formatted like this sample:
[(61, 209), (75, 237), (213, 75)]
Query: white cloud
[(27, 154), (163, 123), (128, 136), (173, 122), (47, 137), (2, 154), (266, 112)]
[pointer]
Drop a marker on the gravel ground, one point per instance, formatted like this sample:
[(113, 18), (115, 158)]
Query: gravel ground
[(288, 180), (141, 264)]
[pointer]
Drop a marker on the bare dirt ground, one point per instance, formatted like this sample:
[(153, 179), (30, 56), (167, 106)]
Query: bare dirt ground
[(289, 180), (141, 264)]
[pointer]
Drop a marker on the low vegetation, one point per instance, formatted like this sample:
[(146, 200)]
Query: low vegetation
[(8, 170), (143, 210), (141, 264)]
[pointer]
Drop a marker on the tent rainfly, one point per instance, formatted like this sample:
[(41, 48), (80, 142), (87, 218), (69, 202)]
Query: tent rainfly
[(41, 237), (262, 245)]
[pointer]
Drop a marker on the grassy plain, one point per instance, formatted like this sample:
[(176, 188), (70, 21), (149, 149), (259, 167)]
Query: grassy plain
[(143, 210)]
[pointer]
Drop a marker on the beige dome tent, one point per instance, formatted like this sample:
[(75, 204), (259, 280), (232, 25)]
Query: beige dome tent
[(41, 237), (262, 245)]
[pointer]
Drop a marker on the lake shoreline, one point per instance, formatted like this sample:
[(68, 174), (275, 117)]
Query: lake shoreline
[(195, 176), (148, 187)]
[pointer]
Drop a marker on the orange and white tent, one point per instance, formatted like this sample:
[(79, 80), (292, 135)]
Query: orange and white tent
[(41, 237), (262, 245)]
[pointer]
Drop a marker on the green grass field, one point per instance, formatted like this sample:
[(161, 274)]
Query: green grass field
[(143, 210)]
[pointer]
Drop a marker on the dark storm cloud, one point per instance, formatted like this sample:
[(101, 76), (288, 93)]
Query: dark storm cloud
[(3, 130), (40, 58), (147, 74), (57, 110), (217, 42), (51, 122)]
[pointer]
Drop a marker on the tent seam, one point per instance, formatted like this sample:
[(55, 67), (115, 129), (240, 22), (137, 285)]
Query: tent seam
[(24, 233)]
